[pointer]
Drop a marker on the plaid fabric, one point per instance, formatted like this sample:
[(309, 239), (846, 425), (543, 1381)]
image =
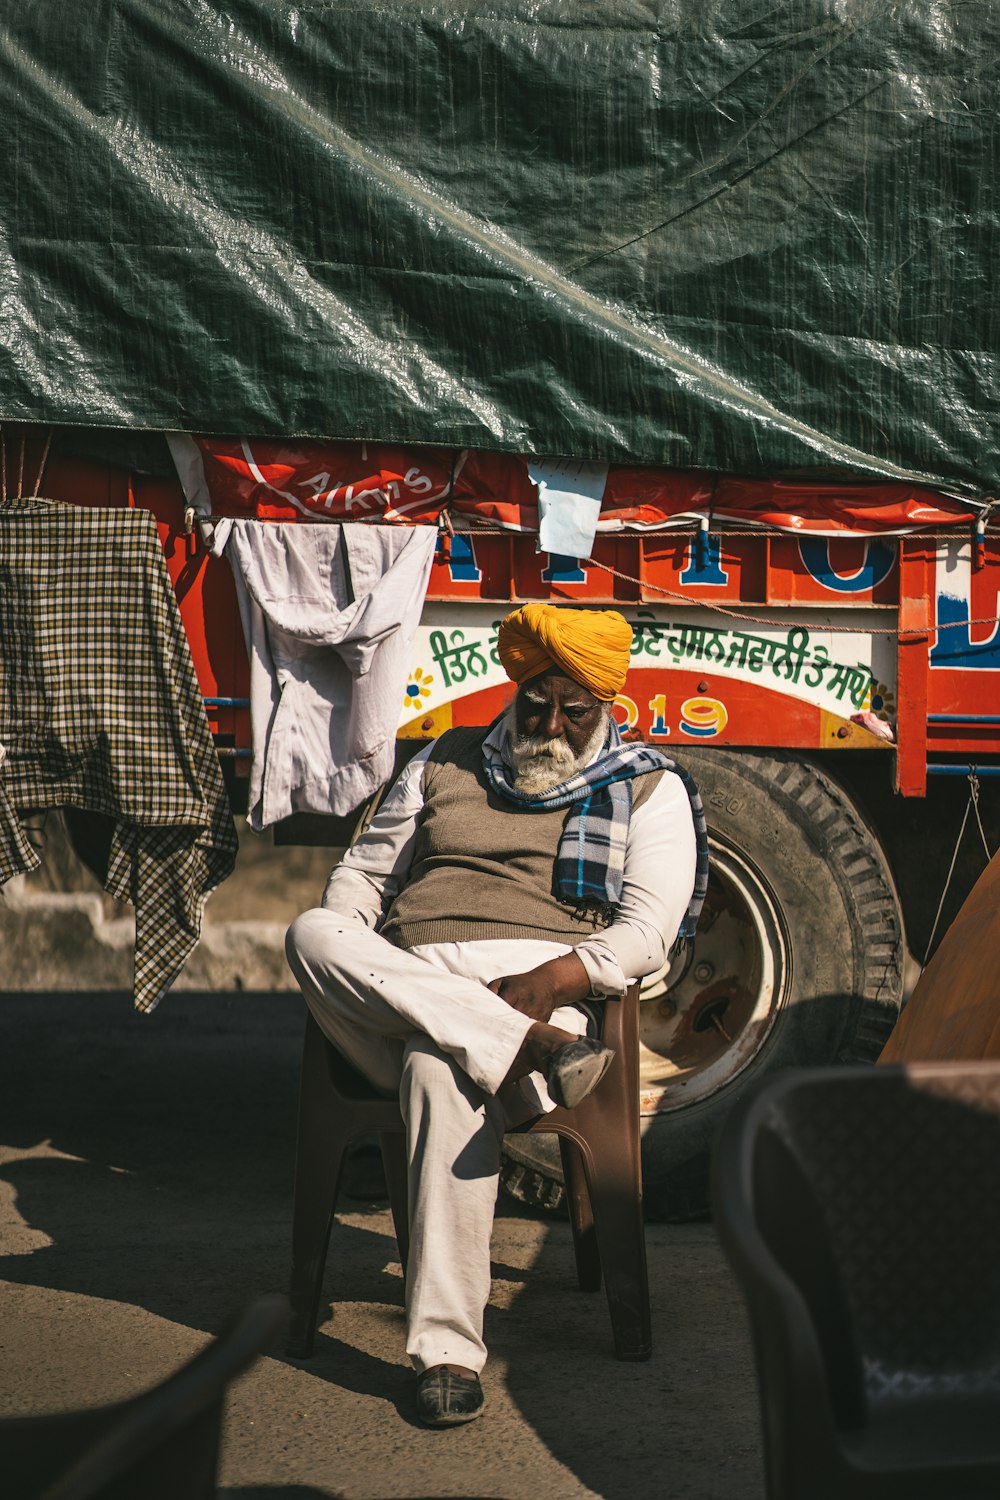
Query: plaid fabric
[(100, 709), (590, 864)]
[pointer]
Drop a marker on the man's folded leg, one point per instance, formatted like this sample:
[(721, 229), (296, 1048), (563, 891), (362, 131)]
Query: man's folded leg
[(354, 979)]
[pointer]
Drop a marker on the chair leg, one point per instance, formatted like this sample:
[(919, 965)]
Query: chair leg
[(606, 1125), (396, 1179), (319, 1159), (317, 1178), (616, 1195), (581, 1217), (609, 1121)]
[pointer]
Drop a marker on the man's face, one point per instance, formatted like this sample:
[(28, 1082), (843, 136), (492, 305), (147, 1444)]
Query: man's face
[(554, 707)]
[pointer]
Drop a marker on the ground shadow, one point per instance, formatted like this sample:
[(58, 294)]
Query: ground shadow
[(156, 1154), (275, 1492), (177, 1127)]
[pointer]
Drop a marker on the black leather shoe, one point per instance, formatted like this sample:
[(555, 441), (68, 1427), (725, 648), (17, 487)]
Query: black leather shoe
[(575, 1068), (444, 1399)]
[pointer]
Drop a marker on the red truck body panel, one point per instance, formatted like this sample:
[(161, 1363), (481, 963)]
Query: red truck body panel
[(742, 636)]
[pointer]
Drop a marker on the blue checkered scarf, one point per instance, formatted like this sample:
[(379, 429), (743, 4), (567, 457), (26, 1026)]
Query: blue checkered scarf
[(590, 863)]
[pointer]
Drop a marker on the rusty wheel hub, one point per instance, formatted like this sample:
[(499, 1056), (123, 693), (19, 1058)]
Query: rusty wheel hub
[(706, 1016)]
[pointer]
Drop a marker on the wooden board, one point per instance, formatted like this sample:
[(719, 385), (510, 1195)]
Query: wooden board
[(954, 1012)]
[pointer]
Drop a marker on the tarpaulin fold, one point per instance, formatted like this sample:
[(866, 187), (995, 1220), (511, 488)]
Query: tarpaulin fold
[(688, 233), (304, 481)]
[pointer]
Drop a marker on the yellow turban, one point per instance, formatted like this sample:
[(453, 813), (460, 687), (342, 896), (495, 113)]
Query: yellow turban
[(590, 645)]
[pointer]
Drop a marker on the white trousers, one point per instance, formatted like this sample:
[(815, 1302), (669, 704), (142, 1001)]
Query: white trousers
[(422, 1023)]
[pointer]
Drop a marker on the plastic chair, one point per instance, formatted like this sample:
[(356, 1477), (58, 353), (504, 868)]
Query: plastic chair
[(860, 1209), (161, 1446), (599, 1145)]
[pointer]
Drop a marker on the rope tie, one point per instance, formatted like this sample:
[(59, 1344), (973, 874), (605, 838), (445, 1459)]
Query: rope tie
[(990, 505), (971, 806), (41, 466)]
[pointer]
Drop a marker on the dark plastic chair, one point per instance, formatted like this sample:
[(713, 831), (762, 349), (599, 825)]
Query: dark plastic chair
[(599, 1145), (860, 1208), (163, 1445)]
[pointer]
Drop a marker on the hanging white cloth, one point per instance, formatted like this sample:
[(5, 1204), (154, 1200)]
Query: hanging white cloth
[(329, 613), (569, 504)]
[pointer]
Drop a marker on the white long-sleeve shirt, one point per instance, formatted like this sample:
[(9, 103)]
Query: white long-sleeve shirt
[(660, 856)]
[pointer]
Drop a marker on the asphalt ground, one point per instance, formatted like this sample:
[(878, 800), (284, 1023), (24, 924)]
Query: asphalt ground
[(145, 1195)]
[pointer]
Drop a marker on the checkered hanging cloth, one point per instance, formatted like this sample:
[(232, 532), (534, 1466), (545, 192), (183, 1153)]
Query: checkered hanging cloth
[(590, 863), (100, 709)]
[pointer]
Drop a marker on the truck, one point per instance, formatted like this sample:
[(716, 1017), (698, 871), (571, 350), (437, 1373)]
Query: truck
[(711, 281)]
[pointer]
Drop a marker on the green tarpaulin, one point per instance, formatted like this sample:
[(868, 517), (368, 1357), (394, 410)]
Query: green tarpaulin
[(740, 236)]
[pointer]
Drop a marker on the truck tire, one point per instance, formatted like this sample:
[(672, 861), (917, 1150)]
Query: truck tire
[(798, 960)]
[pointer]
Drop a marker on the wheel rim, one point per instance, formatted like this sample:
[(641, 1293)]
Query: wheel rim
[(703, 1020)]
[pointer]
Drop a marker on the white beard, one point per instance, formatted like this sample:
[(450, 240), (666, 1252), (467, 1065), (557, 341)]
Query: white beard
[(537, 764)]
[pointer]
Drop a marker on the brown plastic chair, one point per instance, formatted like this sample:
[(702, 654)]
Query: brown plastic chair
[(599, 1145), (860, 1208), (163, 1445)]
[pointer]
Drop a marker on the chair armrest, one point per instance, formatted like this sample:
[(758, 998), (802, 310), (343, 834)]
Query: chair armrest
[(621, 1019)]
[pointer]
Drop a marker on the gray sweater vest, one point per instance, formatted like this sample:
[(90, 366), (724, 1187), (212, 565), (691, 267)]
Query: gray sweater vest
[(482, 867)]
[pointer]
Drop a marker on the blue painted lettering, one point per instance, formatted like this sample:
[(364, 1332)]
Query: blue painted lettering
[(563, 570), (877, 565), (704, 564), (462, 564), (954, 647)]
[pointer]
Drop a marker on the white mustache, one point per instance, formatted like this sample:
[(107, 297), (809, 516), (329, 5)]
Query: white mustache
[(534, 744)]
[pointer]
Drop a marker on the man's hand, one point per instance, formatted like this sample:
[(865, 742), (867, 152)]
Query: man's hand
[(537, 993)]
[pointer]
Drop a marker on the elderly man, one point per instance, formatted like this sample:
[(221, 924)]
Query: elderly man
[(511, 875)]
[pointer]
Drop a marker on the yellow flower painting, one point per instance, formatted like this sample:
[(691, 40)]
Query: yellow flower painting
[(418, 689)]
